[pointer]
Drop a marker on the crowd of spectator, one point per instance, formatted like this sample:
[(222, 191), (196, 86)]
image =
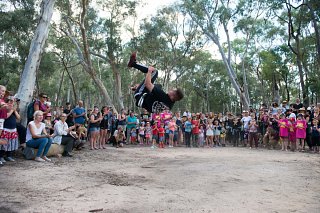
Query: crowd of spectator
[(286, 127)]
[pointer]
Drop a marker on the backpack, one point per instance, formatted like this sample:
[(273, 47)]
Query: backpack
[(28, 153), (30, 110)]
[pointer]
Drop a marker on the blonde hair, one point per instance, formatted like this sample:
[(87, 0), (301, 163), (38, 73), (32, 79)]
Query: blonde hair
[(37, 113)]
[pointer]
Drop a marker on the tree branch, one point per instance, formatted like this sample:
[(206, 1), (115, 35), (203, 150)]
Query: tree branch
[(75, 42)]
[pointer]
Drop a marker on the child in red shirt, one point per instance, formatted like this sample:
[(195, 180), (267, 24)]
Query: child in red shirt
[(155, 132), (161, 136)]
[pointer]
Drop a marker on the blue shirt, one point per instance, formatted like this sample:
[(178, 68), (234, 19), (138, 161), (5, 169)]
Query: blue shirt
[(132, 119), (79, 111), (187, 126)]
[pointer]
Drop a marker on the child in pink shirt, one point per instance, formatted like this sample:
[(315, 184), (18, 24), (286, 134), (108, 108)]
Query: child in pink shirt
[(292, 133), (301, 126), (283, 132)]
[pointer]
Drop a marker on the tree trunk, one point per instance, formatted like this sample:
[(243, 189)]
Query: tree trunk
[(245, 83), (28, 76), (60, 86), (276, 90), (316, 29), (287, 88), (117, 78), (84, 57), (232, 77), (295, 34), (75, 97)]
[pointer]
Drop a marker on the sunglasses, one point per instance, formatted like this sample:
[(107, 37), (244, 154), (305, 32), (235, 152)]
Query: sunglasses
[(44, 97)]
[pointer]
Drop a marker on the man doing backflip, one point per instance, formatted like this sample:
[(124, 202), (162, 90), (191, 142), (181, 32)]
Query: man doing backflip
[(149, 95)]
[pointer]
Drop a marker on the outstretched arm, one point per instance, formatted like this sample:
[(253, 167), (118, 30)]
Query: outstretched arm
[(149, 85)]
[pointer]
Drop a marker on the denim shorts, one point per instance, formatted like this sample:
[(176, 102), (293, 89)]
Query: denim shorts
[(94, 129)]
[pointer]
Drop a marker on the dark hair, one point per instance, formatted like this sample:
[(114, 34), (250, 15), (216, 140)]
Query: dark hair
[(102, 109), (68, 103), (42, 94), (179, 94)]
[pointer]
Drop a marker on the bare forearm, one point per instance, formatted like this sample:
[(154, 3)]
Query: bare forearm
[(147, 81)]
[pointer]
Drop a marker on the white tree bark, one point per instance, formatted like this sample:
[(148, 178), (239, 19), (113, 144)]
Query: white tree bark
[(28, 77), (88, 66), (210, 33)]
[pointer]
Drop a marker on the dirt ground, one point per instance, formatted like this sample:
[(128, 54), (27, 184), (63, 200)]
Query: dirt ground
[(139, 179)]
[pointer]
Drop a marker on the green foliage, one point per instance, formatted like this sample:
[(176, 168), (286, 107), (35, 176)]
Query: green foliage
[(171, 41)]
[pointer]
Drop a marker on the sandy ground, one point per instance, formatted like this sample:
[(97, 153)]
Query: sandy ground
[(135, 179)]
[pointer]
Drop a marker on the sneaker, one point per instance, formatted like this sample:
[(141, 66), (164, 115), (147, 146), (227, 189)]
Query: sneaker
[(132, 60), (10, 159), (1, 164), (152, 147), (3, 160), (39, 159), (46, 159)]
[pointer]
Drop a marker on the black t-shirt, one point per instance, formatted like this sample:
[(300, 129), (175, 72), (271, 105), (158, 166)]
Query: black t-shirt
[(297, 106), (104, 122), (157, 101), (10, 122), (69, 119)]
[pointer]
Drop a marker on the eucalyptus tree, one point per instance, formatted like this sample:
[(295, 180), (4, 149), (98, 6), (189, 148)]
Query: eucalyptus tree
[(299, 16), (167, 40), (18, 22), (78, 24), (28, 78), (110, 30), (208, 15)]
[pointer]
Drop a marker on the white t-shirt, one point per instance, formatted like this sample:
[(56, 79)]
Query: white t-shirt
[(245, 121), (37, 131)]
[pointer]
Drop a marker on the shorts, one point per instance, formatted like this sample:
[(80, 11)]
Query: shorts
[(155, 137), (166, 135), (94, 129), (170, 131), (175, 136), (161, 139), (103, 128), (141, 136)]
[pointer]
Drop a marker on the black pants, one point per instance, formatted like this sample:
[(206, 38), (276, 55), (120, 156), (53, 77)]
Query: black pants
[(187, 139), (141, 88), (21, 133), (68, 142)]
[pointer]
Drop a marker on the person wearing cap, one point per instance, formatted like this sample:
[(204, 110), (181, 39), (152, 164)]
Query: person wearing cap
[(284, 107)]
